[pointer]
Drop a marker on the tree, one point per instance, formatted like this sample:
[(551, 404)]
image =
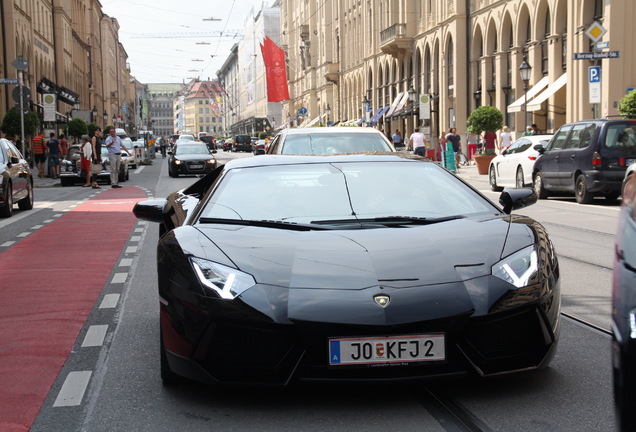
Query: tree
[(77, 127), (485, 119), (11, 123), (262, 135), (627, 105), (91, 129)]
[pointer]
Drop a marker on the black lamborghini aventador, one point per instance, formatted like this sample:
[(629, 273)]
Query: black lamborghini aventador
[(349, 267)]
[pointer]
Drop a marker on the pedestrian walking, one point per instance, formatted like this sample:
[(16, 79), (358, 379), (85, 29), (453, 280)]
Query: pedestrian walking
[(96, 146), (490, 140), (39, 153), (417, 143), (86, 159), (63, 146), (454, 138), (114, 145), (397, 138), (505, 139), (53, 146)]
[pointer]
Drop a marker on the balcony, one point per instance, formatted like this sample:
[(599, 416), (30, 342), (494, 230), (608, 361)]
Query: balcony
[(394, 40), (332, 73)]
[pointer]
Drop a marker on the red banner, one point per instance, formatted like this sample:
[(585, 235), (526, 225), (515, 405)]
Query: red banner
[(275, 70)]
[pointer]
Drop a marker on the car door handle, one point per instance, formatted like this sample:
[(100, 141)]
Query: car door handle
[(572, 157)]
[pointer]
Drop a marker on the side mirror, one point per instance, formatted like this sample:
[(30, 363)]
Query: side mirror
[(504, 152), (150, 210), (515, 199), (539, 148)]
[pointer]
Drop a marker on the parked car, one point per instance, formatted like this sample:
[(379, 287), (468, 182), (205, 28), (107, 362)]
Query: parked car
[(333, 262), (513, 167), (70, 169), (227, 144), (242, 143), (130, 156), (329, 140), (16, 179), (587, 158), (259, 147), (624, 311), (190, 157)]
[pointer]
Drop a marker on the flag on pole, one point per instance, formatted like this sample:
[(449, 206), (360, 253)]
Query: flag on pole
[(275, 71)]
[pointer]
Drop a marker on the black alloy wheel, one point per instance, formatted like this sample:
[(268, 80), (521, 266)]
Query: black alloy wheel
[(538, 187), (583, 196), (26, 203), (7, 210)]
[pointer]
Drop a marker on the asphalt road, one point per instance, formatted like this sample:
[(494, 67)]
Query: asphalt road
[(125, 392)]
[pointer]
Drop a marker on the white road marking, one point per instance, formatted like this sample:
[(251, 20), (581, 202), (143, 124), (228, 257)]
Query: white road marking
[(131, 249), (73, 389), (7, 244), (95, 336), (142, 223), (125, 262), (36, 227), (109, 301), (24, 234), (135, 238), (17, 217), (139, 230), (138, 170), (48, 221), (119, 278)]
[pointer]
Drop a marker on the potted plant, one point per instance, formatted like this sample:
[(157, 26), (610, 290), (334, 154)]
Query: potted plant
[(485, 119)]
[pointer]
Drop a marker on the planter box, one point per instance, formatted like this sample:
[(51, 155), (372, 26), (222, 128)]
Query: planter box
[(483, 162)]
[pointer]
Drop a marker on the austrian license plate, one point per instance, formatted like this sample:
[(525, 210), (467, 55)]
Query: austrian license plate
[(387, 349), (196, 166)]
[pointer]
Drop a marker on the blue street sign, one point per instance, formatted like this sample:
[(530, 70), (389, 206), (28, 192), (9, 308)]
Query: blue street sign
[(9, 81), (302, 111), (594, 74)]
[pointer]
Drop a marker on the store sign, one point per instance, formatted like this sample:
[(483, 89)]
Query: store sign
[(425, 107), (49, 107)]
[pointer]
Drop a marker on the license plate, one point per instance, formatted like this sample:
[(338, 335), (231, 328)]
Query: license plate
[(196, 166), (387, 349)]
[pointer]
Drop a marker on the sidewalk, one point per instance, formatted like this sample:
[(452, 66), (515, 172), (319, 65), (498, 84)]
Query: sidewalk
[(470, 172), (44, 182)]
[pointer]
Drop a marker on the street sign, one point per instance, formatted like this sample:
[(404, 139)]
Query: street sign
[(594, 80), (595, 31), (302, 111), (596, 55), (602, 45), (9, 81), (26, 95)]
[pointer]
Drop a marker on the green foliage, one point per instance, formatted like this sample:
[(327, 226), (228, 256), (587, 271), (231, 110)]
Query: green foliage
[(11, 123), (485, 118), (77, 127), (106, 130), (262, 135), (627, 105), (91, 129)]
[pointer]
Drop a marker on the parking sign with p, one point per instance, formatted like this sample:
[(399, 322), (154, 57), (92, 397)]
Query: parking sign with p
[(594, 80)]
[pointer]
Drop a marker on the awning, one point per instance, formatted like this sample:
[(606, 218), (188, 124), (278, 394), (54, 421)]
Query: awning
[(406, 111), (361, 120), (395, 103), (378, 114), (517, 106), (535, 105)]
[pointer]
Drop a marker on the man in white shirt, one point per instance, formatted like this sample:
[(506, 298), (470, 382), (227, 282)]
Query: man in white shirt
[(417, 142), (114, 144)]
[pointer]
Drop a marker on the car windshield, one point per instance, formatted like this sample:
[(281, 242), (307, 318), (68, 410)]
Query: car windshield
[(192, 149), (311, 193), (329, 143)]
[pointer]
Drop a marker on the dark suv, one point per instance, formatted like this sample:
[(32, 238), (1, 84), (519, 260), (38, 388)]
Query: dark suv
[(242, 143), (587, 158)]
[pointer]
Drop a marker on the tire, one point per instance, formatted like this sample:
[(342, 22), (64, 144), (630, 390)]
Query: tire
[(127, 175), (492, 179), (170, 173), (538, 187), (167, 376), (583, 196), (7, 210), (519, 183), (121, 177), (26, 203)]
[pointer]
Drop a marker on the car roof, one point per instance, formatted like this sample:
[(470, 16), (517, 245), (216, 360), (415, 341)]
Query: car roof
[(327, 130), (277, 159)]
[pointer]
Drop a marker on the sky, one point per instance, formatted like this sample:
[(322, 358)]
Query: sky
[(169, 59)]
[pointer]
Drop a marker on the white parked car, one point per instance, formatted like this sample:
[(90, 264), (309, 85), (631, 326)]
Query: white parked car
[(513, 167), (131, 156), (631, 170)]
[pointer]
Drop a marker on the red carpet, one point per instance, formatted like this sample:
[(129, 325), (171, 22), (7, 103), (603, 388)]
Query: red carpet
[(50, 282)]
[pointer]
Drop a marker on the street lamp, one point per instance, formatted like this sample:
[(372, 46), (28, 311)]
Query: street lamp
[(365, 108), (328, 112), (524, 71), (105, 117), (93, 114), (411, 91)]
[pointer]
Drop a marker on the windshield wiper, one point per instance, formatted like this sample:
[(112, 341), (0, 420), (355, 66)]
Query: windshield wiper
[(391, 220), (264, 224)]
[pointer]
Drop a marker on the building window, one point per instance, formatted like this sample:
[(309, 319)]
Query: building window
[(544, 45)]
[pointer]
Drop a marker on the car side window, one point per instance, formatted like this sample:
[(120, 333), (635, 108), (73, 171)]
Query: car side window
[(514, 148), (580, 137), (15, 151), (274, 144), (618, 135), (558, 141)]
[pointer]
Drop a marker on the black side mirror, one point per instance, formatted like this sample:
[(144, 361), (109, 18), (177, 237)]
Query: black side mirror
[(539, 148), (515, 199)]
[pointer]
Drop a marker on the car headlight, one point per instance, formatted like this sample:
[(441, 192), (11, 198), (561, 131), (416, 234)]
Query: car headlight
[(519, 268), (211, 161), (178, 162), (227, 282)]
